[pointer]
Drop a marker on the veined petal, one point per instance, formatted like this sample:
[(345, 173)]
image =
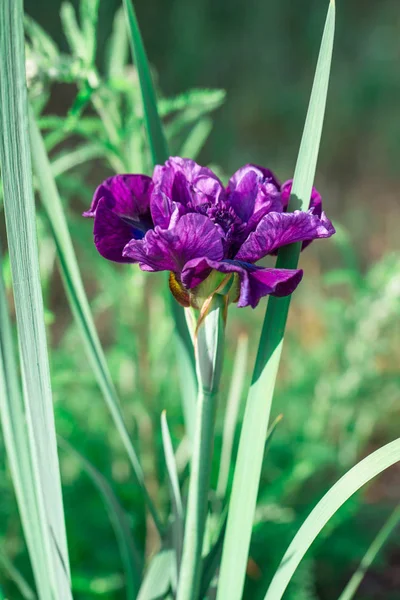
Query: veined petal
[(111, 233), (255, 282), (120, 209), (193, 236), (128, 195), (254, 190), (180, 186), (279, 229)]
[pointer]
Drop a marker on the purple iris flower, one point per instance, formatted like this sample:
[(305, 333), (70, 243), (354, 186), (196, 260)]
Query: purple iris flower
[(185, 221)]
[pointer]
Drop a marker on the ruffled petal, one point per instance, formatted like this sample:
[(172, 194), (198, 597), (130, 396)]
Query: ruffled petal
[(120, 209), (255, 282), (253, 192), (179, 186), (315, 203), (315, 200), (279, 229), (193, 236), (111, 233), (128, 195)]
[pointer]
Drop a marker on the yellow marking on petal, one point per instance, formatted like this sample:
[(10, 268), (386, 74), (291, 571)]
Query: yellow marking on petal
[(180, 294)]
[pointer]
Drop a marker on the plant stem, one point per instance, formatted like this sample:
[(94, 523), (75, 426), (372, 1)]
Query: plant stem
[(209, 355)]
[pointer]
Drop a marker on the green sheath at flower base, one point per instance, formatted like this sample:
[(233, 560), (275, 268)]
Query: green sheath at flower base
[(209, 358)]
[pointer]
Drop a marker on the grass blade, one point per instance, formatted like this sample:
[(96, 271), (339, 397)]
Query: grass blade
[(347, 485), (255, 424), (159, 153), (231, 413), (17, 445), (20, 222), (196, 138), (128, 551), (370, 555), (19, 581), (176, 500), (158, 144), (78, 299), (160, 577)]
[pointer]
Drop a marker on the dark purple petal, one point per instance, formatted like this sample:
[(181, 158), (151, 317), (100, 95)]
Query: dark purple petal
[(193, 236), (180, 186), (279, 229), (255, 282), (127, 195), (315, 200), (315, 203), (111, 233), (253, 192)]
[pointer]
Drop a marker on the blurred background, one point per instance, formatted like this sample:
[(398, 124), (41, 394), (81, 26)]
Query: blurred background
[(339, 385)]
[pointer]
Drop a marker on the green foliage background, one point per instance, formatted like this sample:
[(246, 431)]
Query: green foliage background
[(339, 383)]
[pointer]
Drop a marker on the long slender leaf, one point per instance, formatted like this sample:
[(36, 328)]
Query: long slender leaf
[(348, 485), (255, 424), (176, 500), (159, 153), (78, 299), (158, 145), (17, 445), (129, 554), (231, 414), (160, 577), (18, 579), (20, 222), (369, 557)]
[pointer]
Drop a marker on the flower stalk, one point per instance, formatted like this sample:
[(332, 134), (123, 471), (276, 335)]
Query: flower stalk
[(209, 348)]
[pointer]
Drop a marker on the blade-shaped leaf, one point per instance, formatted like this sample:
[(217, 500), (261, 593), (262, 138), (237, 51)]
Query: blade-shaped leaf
[(348, 485), (158, 145), (369, 557), (78, 299), (129, 554), (21, 234), (255, 424), (176, 500), (17, 445), (231, 413), (159, 153)]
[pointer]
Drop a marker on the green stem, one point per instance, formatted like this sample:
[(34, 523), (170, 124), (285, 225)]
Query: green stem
[(370, 555), (209, 355)]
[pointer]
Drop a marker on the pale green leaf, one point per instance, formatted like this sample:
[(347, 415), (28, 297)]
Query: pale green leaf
[(255, 423), (348, 485)]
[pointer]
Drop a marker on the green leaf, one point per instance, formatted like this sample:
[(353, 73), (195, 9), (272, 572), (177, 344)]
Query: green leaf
[(369, 557), (72, 30), (196, 138), (18, 579), (159, 153), (198, 100), (255, 423), (158, 145), (347, 485), (66, 161), (160, 577), (41, 41), (17, 445), (118, 46), (78, 300), (175, 493), (231, 413), (129, 554), (22, 243), (89, 10)]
